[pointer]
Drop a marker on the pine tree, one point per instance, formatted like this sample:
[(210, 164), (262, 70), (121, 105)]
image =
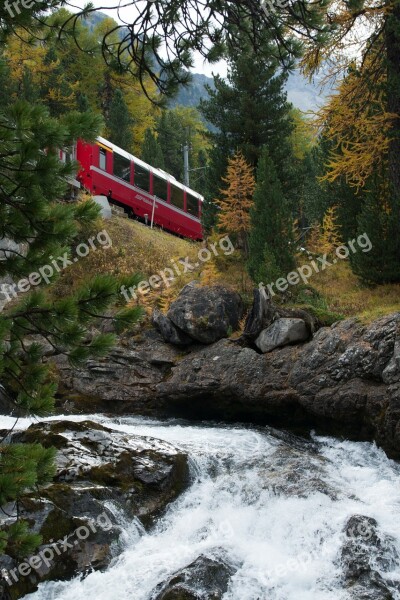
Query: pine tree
[(151, 150), (171, 138), (56, 91), (381, 264), (237, 199), (32, 182), (119, 122), (7, 88), (270, 239), (249, 110)]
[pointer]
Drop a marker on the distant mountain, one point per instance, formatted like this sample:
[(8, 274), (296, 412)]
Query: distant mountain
[(191, 94), (304, 94), (301, 93)]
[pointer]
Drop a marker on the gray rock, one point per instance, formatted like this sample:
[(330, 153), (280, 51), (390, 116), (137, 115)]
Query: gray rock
[(391, 373), (139, 475), (261, 314), (124, 381), (103, 203), (203, 579), (333, 383), (169, 332), (281, 333), (366, 556), (206, 314), (264, 312)]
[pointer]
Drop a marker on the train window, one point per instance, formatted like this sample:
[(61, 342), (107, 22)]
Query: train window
[(142, 178), (122, 167), (177, 196), (192, 205), (68, 155), (160, 187), (103, 159)]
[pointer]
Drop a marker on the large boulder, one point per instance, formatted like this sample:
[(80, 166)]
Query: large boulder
[(169, 332), (281, 333), (206, 313), (264, 312), (100, 473), (203, 579)]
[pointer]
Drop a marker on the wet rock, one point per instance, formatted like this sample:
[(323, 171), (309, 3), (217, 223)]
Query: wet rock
[(296, 472), (366, 557), (334, 382), (169, 332), (206, 314), (100, 474), (282, 332), (203, 579), (124, 381)]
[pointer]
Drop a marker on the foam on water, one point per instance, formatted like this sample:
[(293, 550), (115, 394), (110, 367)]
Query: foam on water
[(284, 547)]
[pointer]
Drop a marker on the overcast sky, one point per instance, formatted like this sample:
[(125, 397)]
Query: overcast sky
[(126, 12)]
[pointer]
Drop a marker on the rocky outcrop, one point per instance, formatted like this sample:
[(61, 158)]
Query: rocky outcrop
[(344, 381), (203, 579), (100, 472), (124, 381), (264, 312), (282, 332), (365, 555), (206, 313)]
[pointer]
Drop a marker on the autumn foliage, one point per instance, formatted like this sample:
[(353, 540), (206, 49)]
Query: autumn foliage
[(356, 120), (325, 238), (237, 198)]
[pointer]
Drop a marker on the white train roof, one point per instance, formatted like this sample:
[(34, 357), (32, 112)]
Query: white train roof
[(158, 172)]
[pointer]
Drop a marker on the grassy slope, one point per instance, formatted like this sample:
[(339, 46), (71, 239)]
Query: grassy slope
[(345, 294), (137, 248)]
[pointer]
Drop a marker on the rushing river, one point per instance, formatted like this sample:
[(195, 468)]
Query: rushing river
[(272, 505)]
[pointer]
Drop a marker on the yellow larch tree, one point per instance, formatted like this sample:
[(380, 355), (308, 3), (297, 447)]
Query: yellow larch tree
[(325, 238), (356, 120), (237, 199)]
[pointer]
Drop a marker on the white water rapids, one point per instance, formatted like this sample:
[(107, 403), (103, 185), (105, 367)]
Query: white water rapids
[(272, 505)]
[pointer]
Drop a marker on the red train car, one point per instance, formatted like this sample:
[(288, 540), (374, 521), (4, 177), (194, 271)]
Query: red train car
[(144, 192)]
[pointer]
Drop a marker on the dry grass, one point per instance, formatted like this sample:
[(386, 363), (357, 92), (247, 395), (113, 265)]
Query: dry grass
[(135, 249), (345, 294), (139, 249)]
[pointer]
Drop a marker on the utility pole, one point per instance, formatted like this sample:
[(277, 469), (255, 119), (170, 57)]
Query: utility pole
[(186, 164)]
